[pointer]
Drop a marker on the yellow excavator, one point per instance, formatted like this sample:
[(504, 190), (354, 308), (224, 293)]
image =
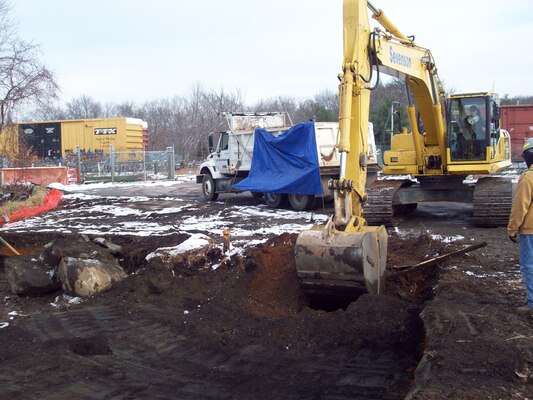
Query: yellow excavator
[(450, 138)]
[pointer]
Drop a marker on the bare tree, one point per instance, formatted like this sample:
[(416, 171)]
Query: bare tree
[(84, 107), (127, 109), (323, 107), (185, 121), (280, 103), (48, 112), (24, 79), (108, 110), (158, 115)]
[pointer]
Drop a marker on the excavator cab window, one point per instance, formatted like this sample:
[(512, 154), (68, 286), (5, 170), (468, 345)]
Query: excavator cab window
[(494, 119), (468, 128)]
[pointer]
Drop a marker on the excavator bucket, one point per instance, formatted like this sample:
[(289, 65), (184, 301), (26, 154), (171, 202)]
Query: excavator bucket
[(341, 265)]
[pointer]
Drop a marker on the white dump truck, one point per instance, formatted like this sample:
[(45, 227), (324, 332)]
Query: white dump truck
[(231, 153)]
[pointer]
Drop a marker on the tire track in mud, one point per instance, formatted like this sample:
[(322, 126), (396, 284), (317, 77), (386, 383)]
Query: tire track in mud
[(103, 354)]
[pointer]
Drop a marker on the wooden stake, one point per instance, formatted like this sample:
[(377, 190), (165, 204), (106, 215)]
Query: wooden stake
[(437, 260), (15, 252)]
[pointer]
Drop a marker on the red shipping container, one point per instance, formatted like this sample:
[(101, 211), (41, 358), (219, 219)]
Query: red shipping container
[(518, 121)]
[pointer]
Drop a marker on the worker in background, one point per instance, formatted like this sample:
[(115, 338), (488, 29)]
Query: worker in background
[(521, 223), (476, 127)]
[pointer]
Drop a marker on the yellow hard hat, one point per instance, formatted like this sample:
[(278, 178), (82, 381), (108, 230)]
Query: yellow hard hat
[(528, 145)]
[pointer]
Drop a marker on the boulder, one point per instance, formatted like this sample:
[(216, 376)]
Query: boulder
[(85, 267), (84, 276), (80, 247), (32, 274)]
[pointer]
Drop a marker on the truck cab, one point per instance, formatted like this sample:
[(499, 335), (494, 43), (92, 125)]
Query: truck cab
[(230, 152), (218, 145)]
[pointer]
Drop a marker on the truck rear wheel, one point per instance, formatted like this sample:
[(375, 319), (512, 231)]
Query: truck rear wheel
[(276, 200), (302, 202), (208, 188)]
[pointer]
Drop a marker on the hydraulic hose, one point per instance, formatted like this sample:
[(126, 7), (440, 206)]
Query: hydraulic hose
[(373, 61)]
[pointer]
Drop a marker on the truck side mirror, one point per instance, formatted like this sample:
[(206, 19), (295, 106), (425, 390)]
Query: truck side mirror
[(210, 145)]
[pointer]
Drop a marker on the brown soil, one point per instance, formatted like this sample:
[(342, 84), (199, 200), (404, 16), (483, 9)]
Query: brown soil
[(250, 308), (244, 330), (274, 289)]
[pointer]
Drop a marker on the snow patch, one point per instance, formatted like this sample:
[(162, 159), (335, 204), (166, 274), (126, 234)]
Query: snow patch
[(401, 234), (196, 241), (66, 300), (15, 314), (446, 239), (116, 217), (102, 185)]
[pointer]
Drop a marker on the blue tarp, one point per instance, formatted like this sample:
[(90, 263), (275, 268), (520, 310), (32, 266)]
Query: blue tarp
[(287, 163)]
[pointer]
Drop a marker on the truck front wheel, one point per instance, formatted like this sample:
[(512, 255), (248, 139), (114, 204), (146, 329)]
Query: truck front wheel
[(301, 202), (208, 188), (275, 200)]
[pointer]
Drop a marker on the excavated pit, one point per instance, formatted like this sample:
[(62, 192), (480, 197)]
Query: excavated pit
[(243, 330)]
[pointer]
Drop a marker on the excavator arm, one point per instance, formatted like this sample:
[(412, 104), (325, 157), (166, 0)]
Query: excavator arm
[(354, 107), (345, 257), (366, 52)]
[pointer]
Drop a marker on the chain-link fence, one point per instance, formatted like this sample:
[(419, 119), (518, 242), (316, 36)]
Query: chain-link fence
[(120, 166), (97, 166)]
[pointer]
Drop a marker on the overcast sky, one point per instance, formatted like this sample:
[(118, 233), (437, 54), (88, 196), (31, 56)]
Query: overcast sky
[(139, 50)]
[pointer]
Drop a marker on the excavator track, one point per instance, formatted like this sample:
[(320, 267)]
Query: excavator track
[(493, 198), (379, 208)]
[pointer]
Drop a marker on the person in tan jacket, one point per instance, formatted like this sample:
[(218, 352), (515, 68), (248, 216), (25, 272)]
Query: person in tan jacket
[(521, 223)]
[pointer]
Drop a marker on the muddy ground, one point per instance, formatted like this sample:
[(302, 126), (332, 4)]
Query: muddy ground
[(245, 330)]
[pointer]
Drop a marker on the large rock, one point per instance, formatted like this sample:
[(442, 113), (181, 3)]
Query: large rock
[(32, 274), (85, 277), (85, 268), (79, 247)]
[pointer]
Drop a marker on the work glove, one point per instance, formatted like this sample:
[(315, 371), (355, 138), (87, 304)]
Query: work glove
[(514, 238)]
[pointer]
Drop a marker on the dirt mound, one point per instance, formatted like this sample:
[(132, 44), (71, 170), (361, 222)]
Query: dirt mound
[(415, 286), (136, 248), (273, 289)]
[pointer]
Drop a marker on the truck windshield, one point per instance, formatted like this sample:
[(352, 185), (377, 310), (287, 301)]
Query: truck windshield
[(467, 129)]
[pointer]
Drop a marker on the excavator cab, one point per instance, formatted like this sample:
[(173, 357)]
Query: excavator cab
[(472, 126)]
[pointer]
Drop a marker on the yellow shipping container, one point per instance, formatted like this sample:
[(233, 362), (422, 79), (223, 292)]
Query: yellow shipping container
[(55, 139)]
